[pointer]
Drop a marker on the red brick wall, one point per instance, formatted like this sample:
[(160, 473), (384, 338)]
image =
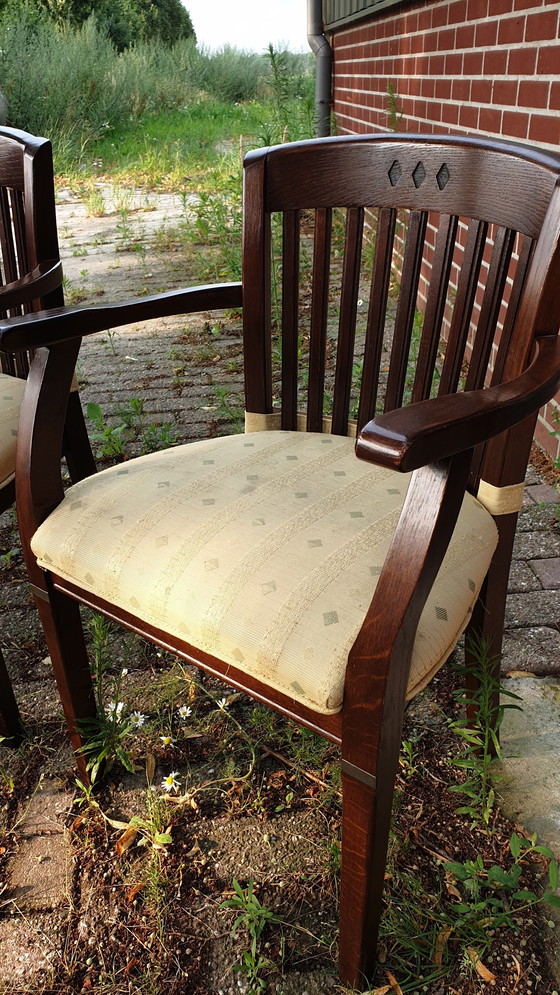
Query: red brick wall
[(487, 67)]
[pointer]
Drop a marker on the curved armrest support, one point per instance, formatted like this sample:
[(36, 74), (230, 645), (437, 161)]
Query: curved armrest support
[(431, 430), (44, 278), (63, 324)]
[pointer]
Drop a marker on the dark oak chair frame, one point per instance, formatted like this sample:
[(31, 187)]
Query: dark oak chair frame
[(31, 274), (511, 197)]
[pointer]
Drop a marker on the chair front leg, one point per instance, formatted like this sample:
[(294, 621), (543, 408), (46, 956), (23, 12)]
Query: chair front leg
[(366, 819)]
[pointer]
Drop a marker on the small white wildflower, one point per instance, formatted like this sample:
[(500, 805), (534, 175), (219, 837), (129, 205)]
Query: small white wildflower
[(114, 709), (167, 740), (222, 703), (360, 302), (137, 719), (124, 671), (170, 783), (183, 712)]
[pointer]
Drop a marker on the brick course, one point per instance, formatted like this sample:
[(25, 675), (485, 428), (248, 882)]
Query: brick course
[(488, 67)]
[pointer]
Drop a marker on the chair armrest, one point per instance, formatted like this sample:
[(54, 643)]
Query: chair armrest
[(31, 331), (45, 277), (422, 433)]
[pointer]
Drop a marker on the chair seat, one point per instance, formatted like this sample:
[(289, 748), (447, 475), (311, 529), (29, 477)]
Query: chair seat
[(11, 395), (261, 549)]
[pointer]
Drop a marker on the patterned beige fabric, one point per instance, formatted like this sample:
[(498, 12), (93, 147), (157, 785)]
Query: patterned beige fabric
[(262, 549), (11, 394)]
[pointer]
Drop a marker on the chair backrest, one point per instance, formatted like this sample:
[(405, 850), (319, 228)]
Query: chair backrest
[(382, 270), (28, 233)]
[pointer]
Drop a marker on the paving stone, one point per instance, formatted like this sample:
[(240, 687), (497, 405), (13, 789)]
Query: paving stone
[(26, 955), (530, 786), (536, 545), (538, 516), (535, 650), (543, 493), (39, 873), (45, 812), (522, 578), (548, 572), (533, 608)]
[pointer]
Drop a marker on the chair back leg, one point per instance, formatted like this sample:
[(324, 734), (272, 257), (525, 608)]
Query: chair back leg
[(10, 721), (64, 634)]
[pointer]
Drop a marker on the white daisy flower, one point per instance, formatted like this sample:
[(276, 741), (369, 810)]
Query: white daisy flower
[(222, 703), (137, 719), (114, 709), (167, 740), (170, 783), (183, 712)]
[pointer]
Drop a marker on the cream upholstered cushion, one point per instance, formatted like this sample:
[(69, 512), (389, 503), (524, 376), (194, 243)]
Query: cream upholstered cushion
[(261, 549), (11, 394)]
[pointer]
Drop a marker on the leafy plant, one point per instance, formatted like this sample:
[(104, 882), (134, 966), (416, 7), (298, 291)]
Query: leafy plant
[(105, 733), (493, 896), (6, 559), (132, 426), (156, 437), (252, 918), (108, 437), (231, 413), (480, 731)]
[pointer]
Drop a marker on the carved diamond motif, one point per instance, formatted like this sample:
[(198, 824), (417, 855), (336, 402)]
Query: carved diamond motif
[(443, 177), (419, 175), (395, 173)]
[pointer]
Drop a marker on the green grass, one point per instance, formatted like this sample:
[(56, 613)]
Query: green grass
[(171, 150)]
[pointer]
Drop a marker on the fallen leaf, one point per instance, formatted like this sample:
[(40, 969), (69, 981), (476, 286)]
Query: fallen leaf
[(518, 969), (130, 966), (479, 967), (439, 946), (381, 991), (394, 983), (125, 841), (135, 890), (450, 886), (150, 768)]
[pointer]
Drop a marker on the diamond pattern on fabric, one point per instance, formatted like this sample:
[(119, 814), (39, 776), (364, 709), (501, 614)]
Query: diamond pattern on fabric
[(268, 580)]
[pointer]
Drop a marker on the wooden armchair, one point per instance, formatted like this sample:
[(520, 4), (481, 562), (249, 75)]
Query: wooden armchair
[(31, 273), (327, 586)]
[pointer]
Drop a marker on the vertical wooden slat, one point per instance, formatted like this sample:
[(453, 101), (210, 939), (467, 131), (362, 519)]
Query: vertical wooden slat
[(290, 318), (319, 315), (347, 320), (525, 253), (7, 238), (18, 221), (406, 308), (504, 240), (435, 306), (257, 362), (462, 311), (377, 312)]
